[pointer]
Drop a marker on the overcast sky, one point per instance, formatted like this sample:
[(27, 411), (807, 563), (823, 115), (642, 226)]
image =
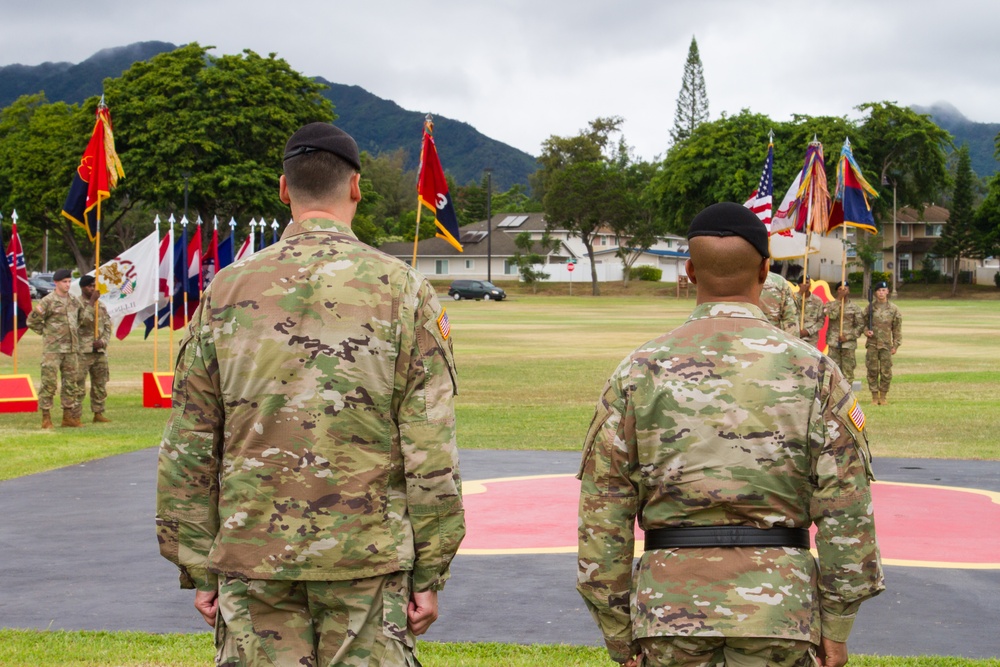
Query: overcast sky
[(522, 70)]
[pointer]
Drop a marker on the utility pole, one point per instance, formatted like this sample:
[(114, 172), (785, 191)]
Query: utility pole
[(489, 224)]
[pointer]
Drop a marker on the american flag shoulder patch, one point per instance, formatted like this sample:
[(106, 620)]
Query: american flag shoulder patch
[(858, 416), (444, 324)]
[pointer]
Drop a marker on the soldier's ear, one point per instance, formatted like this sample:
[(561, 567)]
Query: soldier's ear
[(283, 191), (689, 270), (765, 266)]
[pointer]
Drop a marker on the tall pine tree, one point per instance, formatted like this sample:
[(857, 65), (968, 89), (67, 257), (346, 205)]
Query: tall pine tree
[(692, 101), (960, 238)]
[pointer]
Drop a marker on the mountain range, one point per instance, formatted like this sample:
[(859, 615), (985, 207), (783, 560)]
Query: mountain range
[(381, 125), (981, 137), (378, 125)]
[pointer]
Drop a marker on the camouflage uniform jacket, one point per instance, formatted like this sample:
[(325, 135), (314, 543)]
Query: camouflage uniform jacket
[(814, 318), (778, 304), (57, 323), (887, 323), (854, 324), (726, 421), (312, 435), (86, 330)]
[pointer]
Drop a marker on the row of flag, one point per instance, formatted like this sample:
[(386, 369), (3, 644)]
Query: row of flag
[(158, 271), (807, 206), (152, 276)]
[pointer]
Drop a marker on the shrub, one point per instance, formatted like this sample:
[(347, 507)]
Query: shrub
[(649, 273)]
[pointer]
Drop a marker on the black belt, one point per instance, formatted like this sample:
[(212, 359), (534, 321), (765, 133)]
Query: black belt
[(726, 536)]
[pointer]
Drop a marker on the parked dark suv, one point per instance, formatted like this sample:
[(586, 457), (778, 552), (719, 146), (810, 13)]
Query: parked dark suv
[(476, 289), (42, 283)]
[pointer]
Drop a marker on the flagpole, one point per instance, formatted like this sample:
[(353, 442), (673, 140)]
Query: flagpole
[(201, 262), (843, 271), (186, 267), (156, 305), (13, 273), (428, 129)]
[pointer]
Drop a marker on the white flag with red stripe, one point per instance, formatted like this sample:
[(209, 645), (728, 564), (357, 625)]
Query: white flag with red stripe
[(128, 284)]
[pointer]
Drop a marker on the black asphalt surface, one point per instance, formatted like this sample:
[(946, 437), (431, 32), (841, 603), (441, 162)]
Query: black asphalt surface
[(78, 552)]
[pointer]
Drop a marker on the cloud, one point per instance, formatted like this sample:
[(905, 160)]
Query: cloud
[(521, 70)]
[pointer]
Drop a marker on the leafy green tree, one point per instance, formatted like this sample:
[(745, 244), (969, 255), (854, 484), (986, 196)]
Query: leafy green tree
[(593, 144), (905, 150), (515, 200), (531, 253), (988, 213), (584, 198), (470, 202), (40, 147), (692, 101), (960, 238), (640, 224), (720, 161), (223, 121)]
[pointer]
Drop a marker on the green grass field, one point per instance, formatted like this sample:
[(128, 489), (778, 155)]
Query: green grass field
[(530, 372)]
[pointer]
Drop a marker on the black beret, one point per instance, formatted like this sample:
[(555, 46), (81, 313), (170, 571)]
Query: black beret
[(881, 285), (86, 281), (729, 219), (841, 283), (61, 274), (323, 137)]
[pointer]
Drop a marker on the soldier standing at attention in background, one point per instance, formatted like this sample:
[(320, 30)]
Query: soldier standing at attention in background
[(727, 439), (884, 325), (778, 304), (308, 480), (93, 351), (55, 320), (842, 342), (815, 316)]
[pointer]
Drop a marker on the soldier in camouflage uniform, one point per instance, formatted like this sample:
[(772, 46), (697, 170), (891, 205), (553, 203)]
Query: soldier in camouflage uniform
[(727, 438), (778, 304), (842, 341), (93, 351), (55, 319), (308, 480), (815, 315), (885, 335)]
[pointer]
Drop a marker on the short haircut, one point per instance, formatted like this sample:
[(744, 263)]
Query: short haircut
[(317, 176)]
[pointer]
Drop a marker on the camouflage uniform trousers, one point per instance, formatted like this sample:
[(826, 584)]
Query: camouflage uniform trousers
[(846, 359), (726, 652), (879, 363), (96, 366), (55, 364), (354, 623)]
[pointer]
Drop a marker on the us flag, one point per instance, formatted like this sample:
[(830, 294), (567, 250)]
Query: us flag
[(761, 199), (858, 416), (444, 324)]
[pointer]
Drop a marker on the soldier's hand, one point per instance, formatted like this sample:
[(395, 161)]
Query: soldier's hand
[(831, 653), (803, 333), (893, 350), (869, 333), (843, 338), (207, 604), (422, 611)]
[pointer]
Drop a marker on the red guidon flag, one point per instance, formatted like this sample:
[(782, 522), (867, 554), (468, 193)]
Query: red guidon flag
[(96, 176)]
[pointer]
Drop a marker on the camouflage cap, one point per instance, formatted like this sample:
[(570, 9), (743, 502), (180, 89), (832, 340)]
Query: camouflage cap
[(730, 219), (323, 137)]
